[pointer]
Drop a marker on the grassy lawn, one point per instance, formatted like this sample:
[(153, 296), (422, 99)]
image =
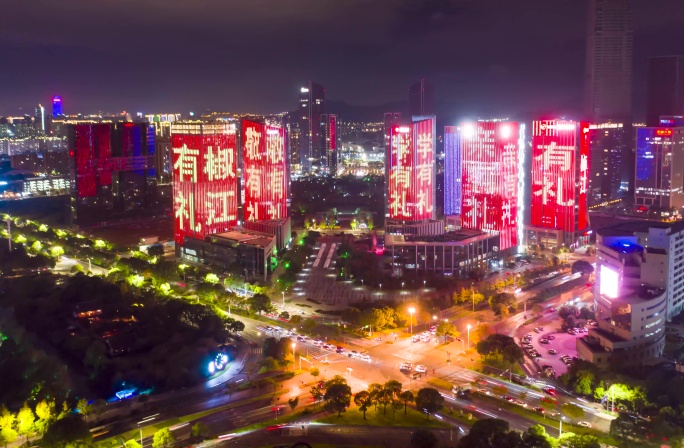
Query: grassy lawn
[(438, 382), (355, 417), (498, 363)]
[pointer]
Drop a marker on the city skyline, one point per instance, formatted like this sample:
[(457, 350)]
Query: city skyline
[(362, 68)]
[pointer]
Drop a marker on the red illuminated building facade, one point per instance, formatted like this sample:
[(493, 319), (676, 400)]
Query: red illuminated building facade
[(559, 182), (265, 174), (411, 171), (329, 139), (204, 170), (113, 168), (489, 178)]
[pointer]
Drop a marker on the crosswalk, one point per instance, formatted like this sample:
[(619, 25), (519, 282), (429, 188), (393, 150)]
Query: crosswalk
[(330, 255)]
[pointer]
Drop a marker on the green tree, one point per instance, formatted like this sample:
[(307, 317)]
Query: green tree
[(374, 390), (447, 329), (316, 393), (83, 408), (309, 325), (582, 441), (199, 429), (293, 403), (584, 381), (407, 397), (537, 437), (259, 303), (46, 413), (314, 372), (7, 421), (429, 400), (26, 420), (163, 438), (132, 444), (423, 438), (69, 431), (337, 398), (363, 401)]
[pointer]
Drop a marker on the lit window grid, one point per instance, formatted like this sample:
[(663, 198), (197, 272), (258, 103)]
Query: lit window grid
[(265, 179), (554, 174), (452, 171), (203, 203), (490, 179), (411, 171)]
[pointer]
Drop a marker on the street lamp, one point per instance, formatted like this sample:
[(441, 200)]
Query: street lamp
[(402, 285), (293, 355), (560, 426), (380, 286), (283, 292), (434, 317), (468, 327), (411, 311), (423, 284)]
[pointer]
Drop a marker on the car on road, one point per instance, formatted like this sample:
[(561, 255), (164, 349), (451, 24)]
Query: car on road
[(420, 368), (507, 398), (539, 409), (317, 343), (353, 354), (405, 366), (553, 352), (365, 357), (572, 332), (300, 338), (536, 329), (543, 341), (550, 337), (520, 403), (550, 390), (274, 427), (584, 424), (416, 339), (339, 349)]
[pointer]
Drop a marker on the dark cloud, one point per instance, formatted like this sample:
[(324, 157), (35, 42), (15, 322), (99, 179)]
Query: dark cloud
[(484, 56)]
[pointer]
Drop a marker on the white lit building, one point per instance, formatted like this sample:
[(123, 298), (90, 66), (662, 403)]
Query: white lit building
[(639, 286)]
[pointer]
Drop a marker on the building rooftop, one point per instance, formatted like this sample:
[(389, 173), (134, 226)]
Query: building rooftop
[(629, 228), (454, 237), (248, 237), (626, 247)]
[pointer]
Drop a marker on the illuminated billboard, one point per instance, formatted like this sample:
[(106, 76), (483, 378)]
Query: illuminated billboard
[(204, 168), (411, 170), (610, 281), (560, 158), (265, 179), (489, 166)]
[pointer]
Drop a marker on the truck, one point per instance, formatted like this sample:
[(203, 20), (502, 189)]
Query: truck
[(461, 389), (148, 240)]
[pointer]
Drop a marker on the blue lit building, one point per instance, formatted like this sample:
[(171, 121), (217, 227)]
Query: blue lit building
[(659, 176), (452, 171), (57, 110)]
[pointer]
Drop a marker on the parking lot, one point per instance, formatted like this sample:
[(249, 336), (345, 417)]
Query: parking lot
[(562, 342)]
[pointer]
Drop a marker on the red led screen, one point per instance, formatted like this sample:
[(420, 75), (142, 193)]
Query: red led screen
[(554, 147), (411, 171), (92, 147), (489, 183), (585, 163), (333, 132), (265, 171), (204, 179)]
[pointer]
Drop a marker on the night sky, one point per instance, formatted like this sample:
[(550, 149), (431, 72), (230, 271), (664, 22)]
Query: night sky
[(485, 57)]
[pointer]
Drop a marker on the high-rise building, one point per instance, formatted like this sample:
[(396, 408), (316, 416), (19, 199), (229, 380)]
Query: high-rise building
[(391, 119), (665, 88), (264, 173), (311, 107), (559, 183), (638, 287), (114, 169), (57, 110), (659, 179), (411, 171), (483, 164), (330, 141), (612, 163), (608, 68), (40, 118), (421, 98), (204, 164)]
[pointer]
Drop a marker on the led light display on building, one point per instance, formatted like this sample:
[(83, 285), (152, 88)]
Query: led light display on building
[(610, 280), (452, 171), (412, 171), (558, 195), (92, 151), (265, 171), (204, 179), (489, 153)]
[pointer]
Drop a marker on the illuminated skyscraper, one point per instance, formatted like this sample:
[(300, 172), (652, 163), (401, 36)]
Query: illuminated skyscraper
[(559, 181), (608, 68), (40, 118), (204, 165), (57, 110), (660, 168), (330, 142), (411, 171), (421, 98), (665, 88), (612, 163), (311, 107), (482, 175)]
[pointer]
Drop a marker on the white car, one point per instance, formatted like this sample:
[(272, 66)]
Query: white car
[(584, 424), (420, 368), (365, 357), (318, 343), (405, 366)]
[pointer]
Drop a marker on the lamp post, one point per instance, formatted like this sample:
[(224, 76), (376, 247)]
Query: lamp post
[(402, 286), (560, 426), (293, 355), (423, 284), (90, 266), (469, 327), (411, 311), (380, 286), (283, 292)]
